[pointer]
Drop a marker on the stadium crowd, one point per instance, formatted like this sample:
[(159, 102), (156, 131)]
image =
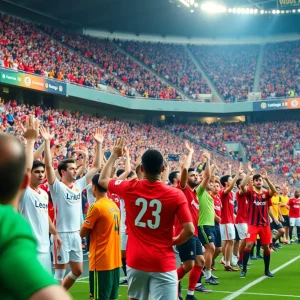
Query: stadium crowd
[(231, 68), (280, 72), (172, 62)]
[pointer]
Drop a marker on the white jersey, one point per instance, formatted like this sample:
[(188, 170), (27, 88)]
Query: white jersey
[(68, 204), (89, 193), (34, 208), (123, 215)]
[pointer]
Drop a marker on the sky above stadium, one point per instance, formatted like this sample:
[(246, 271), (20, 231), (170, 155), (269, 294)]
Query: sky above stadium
[(162, 17)]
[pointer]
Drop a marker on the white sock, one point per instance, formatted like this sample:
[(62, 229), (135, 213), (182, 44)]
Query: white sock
[(208, 274), (198, 284), (227, 263), (190, 293), (223, 258)]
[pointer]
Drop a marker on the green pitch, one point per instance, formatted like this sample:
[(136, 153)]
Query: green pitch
[(284, 285)]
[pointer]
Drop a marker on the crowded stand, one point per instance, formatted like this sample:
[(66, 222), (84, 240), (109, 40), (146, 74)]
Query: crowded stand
[(280, 72), (172, 62), (105, 54), (231, 68), (272, 149)]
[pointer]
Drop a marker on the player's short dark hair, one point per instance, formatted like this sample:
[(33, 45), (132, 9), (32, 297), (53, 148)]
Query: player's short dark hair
[(238, 182), (12, 167), (36, 164), (152, 162), (224, 179), (63, 165), (256, 176), (191, 170), (172, 176), (95, 182), (120, 172)]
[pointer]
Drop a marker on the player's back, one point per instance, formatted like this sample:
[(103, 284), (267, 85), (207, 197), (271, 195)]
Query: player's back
[(150, 215)]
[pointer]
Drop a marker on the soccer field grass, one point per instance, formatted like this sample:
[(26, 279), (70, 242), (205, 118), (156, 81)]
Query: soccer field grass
[(284, 285)]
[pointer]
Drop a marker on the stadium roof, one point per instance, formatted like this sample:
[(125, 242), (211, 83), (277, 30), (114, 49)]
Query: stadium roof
[(161, 17)]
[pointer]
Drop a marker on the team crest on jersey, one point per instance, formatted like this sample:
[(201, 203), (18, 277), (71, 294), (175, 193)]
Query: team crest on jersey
[(76, 190), (263, 196), (118, 182), (192, 253), (209, 237)]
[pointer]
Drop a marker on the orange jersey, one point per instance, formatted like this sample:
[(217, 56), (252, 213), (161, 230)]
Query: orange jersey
[(103, 219)]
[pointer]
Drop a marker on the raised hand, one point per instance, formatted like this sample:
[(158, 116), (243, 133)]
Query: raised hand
[(84, 151), (45, 133), (99, 136), (118, 147), (250, 169), (241, 169), (31, 129), (188, 147), (206, 154), (264, 174)]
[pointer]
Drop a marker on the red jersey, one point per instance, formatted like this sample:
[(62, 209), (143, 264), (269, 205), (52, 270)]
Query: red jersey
[(217, 205), (294, 205), (115, 198), (151, 209), (227, 209), (258, 208), (242, 208), (192, 199)]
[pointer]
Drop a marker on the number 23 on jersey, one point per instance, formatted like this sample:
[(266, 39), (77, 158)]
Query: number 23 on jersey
[(155, 206)]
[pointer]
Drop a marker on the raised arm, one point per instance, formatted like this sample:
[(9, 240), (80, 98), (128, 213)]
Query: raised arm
[(207, 172), (31, 132), (245, 180), (50, 173), (38, 153), (186, 164), (98, 138), (85, 154), (165, 177), (117, 151), (264, 175), (127, 170), (233, 182)]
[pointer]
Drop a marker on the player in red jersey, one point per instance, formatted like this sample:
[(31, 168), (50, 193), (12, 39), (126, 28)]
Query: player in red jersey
[(241, 221), (294, 207), (151, 208), (190, 252), (227, 216), (259, 203)]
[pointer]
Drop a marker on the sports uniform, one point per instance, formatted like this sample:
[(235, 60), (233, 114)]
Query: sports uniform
[(217, 207), (150, 213), (275, 209), (242, 215), (284, 211), (294, 205), (227, 220), (105, 254), (69, 217), (34, 208)]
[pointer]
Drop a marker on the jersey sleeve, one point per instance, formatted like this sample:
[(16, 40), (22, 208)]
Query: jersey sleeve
[(14, 263), (81, 183), (269, 198), (118, 187), (200, 190), (54, 190), (22, 201), (183, 212), (92, 217)]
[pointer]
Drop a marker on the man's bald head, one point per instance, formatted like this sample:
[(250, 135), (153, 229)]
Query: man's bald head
[(12, 167)]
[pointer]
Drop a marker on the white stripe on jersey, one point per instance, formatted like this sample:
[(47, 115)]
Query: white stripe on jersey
[(68, 204), (34, 208), (123, 215)]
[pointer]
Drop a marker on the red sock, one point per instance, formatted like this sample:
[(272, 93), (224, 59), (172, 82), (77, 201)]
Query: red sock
[(241, 256), (181, 272), (194, 276)]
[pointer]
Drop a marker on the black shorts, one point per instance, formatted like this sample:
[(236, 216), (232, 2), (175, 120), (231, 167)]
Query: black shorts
[(286, 221), (218, 240), (190, 249), (276, 226), (206, 234)]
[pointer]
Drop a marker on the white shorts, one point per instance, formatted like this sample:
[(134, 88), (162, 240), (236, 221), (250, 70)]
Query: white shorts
[(160, 286), (294, 222), (242, 230), (71, 249), (227, 232), (45, 260), (124, 238)]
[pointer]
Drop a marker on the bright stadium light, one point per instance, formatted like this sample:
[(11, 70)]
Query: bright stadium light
[(262, 11), (298, 10), (255, 11), (277, 11), (247, 11), (282, 11), (294, 10), (251, 11), (234, 10), (212, 7), (230, 10), (239, 11), (196, 4), (192, 2), (273, 11), (185, 3)]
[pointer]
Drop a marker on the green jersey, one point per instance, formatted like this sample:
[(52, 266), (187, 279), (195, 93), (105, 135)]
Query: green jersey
[(206, 208), (21, 274)]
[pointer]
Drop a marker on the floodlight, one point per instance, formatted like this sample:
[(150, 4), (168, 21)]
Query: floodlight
[(192, 2), (212, 7), (234, 10), (251, 11), (196, 4), (187, 4), (277, 11), (238, 10), (192, 10), (262, 11), (243, 11), (282, 11), (273, 11), (247, 10), (294, 10), (230, 10), (255, 11), (298, 10)]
